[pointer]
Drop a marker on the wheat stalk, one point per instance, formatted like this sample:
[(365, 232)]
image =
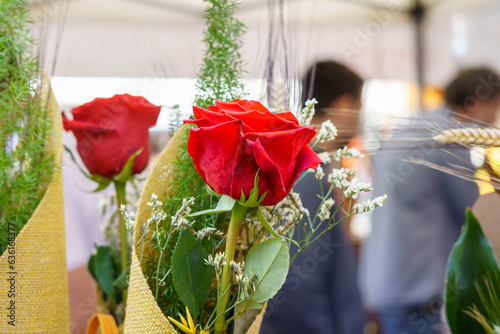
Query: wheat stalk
[(277, 95), (470, 136)]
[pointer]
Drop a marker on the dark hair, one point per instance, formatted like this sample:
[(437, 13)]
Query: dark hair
[(472, 85), (327, 81)]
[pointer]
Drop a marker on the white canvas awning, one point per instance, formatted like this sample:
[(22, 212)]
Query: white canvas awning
[(138, 38)]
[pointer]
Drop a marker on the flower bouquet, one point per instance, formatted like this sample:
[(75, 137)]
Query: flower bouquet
[(220, 264), (217, 214)]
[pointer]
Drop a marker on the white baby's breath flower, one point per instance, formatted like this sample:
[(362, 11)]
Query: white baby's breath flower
[(324, 212), (207, 232), (181, 223), (338, 177), (325, 157), (308, 112), (157, 215), (128, 217), (286, 214), (319, 173), (218, 261), (237, 267), (355, 187), (347, 152), (369, 205), (178, 220), (327, 132)]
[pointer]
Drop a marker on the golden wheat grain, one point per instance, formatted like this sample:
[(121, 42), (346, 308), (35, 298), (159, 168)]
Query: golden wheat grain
[(470, 136)]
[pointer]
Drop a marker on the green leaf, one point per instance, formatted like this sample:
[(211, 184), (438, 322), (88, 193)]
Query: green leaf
[(102, 182), (192, 277), (126, 172), (470, 261), (269, 228), (72, 156), (225, 204), (269, 260), (253, 200), (101, 267), (121, 281)]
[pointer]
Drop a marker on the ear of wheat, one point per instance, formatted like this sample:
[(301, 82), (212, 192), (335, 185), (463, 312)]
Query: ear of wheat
[(470, 136)]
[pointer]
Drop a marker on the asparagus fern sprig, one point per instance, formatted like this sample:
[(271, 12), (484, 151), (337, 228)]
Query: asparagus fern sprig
[(25, 167)]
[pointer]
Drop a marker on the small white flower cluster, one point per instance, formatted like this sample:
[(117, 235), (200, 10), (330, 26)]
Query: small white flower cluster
[(327, 132), (157, 215), (347, 152), (351, 188), (246, 284), (338, 177), (355, 187), (369, 205), (324, 212), (207, 232), (129, 218), (308, 112), (179, 220), (319, 173), (325, 157), (237, 267), (217, 262), (284, 215)]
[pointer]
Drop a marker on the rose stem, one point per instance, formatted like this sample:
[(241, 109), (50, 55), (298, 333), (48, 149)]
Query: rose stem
[(120, 196), (237, 216)]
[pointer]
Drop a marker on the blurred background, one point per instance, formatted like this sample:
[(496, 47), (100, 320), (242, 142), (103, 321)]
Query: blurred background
[(406, 50), (154, 48)]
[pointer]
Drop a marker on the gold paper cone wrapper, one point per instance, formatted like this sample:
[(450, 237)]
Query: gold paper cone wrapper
[(40, 273), (143, 315)]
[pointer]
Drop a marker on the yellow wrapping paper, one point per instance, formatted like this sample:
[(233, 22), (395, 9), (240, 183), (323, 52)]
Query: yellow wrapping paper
[(143, 315), (40, 274)]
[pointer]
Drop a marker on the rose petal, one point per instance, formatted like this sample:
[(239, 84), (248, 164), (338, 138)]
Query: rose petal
[(214, 150), (276, 154), (258, 121), (243, 173), (208, 118), (230, 106), (82, 126), (288, 116), (251, 105)]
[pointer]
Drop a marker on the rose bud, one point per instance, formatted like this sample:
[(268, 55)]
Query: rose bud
[(110, 130)]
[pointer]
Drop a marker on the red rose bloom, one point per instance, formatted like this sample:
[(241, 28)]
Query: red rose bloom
[(109, 130), (236, 140)]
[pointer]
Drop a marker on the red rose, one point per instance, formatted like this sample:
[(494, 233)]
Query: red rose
[(236, 140), (109, 130)]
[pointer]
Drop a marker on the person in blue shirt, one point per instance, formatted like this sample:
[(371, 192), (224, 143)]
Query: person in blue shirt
[(320, 295), (403, 261)]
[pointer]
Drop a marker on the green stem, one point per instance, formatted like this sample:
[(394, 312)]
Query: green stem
[(120, 196), (237, 216)]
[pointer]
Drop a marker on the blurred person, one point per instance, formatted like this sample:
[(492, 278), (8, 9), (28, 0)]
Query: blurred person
[(321, 293), (403, 261)]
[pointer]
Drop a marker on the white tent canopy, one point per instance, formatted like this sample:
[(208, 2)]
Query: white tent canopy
[(144, 38)]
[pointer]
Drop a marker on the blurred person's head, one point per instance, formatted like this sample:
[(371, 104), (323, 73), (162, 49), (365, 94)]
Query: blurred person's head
[(475, 93), (338, 92)]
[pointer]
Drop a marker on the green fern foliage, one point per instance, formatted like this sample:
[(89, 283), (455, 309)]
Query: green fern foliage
[(219, 78), (222, 68), (25, 168)]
